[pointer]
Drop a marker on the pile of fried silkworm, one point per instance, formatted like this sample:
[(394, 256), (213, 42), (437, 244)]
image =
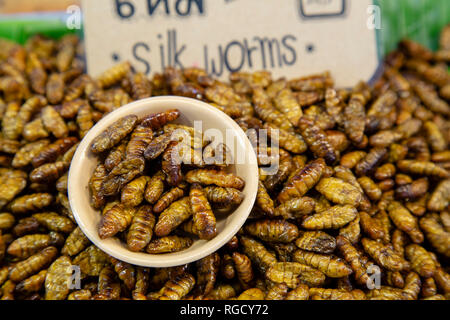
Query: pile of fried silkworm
[(358, 208), (168, 148)]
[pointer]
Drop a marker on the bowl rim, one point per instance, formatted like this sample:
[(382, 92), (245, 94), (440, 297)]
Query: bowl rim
[(170, 259)]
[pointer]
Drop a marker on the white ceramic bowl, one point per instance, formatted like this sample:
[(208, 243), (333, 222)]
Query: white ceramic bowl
[(84, 163)]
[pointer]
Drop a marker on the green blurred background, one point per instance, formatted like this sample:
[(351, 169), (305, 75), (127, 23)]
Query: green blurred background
[(420, 20)]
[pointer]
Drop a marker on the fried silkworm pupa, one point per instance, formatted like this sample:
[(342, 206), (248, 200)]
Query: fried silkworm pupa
[(405, 221), (51, 152), (294, 273), (169, 197), (115, 156), (299, 293), (421, 260), (31, 202), (91, 261), (216, 177), (169, 244), (114, 134), (412, 191), (75, 243), (83, 294), (385, 171), (141, 229), (332, 218), (252, 294), (244, 269), (295, 208), (178, 212), (125, 271), (139, 140), (273, 230), (171, 164), (277, 292), (33, 264), (316, 241), (7, 221), (384, 255), (95, 184), (54, 222), (177, 288), (222, 292), (120, 175), (53, 122), (57, 281), (368, 164), (133, 192), (436, 234), (116, 219), (32, 284), (28, 245), (157, 146), (114, 74), (339, 191), (316, 140), (158, 120), (223, 196), (155, 187), (440, 197), (371, 226), (227, 268), (425, 168), (25, 154), (203, 216), (330, 265), (303, 181), (257, 253), (207, 270), (49, 172), (263, 200)]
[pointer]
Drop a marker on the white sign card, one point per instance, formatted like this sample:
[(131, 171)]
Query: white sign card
[(290, 38)]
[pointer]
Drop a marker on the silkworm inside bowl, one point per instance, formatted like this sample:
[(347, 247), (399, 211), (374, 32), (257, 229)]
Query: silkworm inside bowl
[(244, 165)]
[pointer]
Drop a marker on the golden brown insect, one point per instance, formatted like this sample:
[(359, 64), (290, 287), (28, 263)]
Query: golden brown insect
[(84, 120), (114, 134), (7, 221), (203, 216), (207, 270), (55, 88), (332, 218), (421, 261), (263, 200), (177, 288), (28, 245), (218, 178), (133, 192), (157, 146), (34, 130), (83, 294), (266, 112), (368, 164), (440, 197), (354, 117), (257, 253), (222, 292), (287, 103), (299, 293), (252, 294), (384, 255), (277, 292), (169, 244), (273, 230), (295, 208), (338, 191), (91, 261), (125, 271), (53, 122), (115, 220), (303, 181), (31, 202), (330, 265), (293, 273), (285, 139), (141, 229), (25, 154), (54, 222), (244, 269), (114, 74), (108, 287), (223, 196), (33, 264), (169, 197), (316, 241), (51, 152), (140, 86), (435, 233), (139, 140), (57, 281), (316, 140), (49, 172), (227, 268), (178, 212), (371, 226), (412, 191), (171, 164), (120, 175), (385, 171), (95, 184), (75, 242), (32, 284), (422, 168), (405, 221), (370, 188), (155, 187), (158, 120)]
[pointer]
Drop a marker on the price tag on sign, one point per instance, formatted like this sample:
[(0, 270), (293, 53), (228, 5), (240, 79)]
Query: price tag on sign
[(290, 38)]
